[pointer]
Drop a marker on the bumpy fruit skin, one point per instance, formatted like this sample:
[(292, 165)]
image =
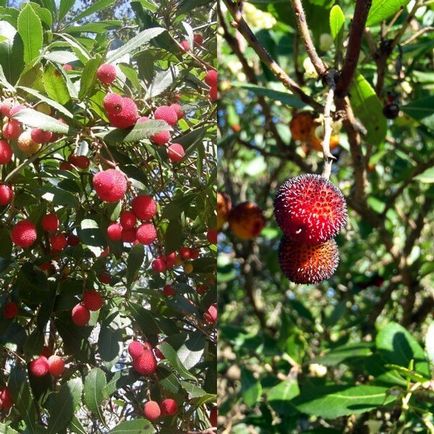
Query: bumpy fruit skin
[(185, 45), (210, 316), (178, 110), (114, 232), (122, 112), (6, 195), (175, 152), (80, 161), (213, 94), (106, 73), (128, 235), (105, 278), (6, 106), (246, 220), (110, 185), (80, 315), (5, 152), (24, 234), (73, 240), (146, 234), (136, 349), (39, 366), (307, 263), (144, 207), (310, 209), (128, 219), (41, 136), (146, 364), (161, 138), (166, 113), (159, 265), (112, 103), (92, 300), (212, 236), (213, 415), (10, 310), (58, 242), (211, 78), (56, 366), (301, 125), (12, 129), (198, 38), (169, 407), (5, 399), (169, 291), (152, 411), (224, 206), (26, 145), (170, 260), (188, 268), (50, 222)]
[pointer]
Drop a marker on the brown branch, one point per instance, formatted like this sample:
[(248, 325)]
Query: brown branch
[(300, 19), (354, 45), (425, 309), (240, 24)]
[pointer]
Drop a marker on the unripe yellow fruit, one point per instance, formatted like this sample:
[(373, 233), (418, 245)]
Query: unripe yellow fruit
[(188, 268), (26, 144), (44, 108)]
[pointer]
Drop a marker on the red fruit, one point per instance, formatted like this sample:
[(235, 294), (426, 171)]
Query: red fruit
[(198, 38), (10, 310), (24, 234), (175, 152), (67, 67), (6, 106), (5, 399), (92, 300), (310, 209), (178, 110), (170, 260), (152, 411), (307, 263), (39, 367), (56, 366), (146, 234), (73, 240), (201, 289), (127, 117), (112, 103), (194, 253), (41, 136), (106, 73), (185, 45), (46, 351), (136, 349), (159, 354), (114, 232), (166, 113), (50, 222), (169, 407), (5, 152), (147, 346), (110, 185), (64, 165), (128, 219), (211, 236), (6, 194), (185, 252), (211, 78), (105, 278), (80, 161), (58, 242), (144, 207), (159, 265), (161, 138), (246, 220), (213, 414), (142, 119), (169, 291), (213, 94), (129, 235), (146, 364), (210, 316), (80, 315), (12, 130)]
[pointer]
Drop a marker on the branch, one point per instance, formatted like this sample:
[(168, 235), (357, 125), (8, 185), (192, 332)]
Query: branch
[(240, 24), (300, 19), (354, 45), (328, 157)]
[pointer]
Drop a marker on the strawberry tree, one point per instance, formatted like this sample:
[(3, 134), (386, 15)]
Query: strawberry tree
[(107, 253)]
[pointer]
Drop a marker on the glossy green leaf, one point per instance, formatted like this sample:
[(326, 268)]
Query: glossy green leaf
[(280, 395), (429, 342), (383, 9), (94, 395), (337, 25), (30, 29), (427, 176), (55, 85), (345, 352), (191, 351), (88, 77), (137, 426), (135, 261), (95, 7), (64, 7), (251, 388), (368, 108), (172, 357), (36, 119)]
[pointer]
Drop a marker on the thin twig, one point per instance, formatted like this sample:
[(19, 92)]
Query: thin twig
[(328, 157), (417, 34), (300, 19), (354, 45)]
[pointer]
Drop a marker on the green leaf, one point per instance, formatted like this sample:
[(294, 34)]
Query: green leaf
[(340, 354), (161, 82), (6, 429), (63, 404), (88, 77), (64, 7), (96, 27), (275, 95), (11, 52), (427, 176), (191, 351), (55, 85), (172, 357), (397, 346), (421, 110), (136, 42), (76, 427), (144, 319), (251, 388), (108, 341), (280, 395), (337, 23), (30, 29), (135, 261), (36, 119), (429, 342), (332, 402), (174, 236), (137, 426), (97, 6), (90, 233), (383, 9), (4, 82), (94, 391), (368, 108)]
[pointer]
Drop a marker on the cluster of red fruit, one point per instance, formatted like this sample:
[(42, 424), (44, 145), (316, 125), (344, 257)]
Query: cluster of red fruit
[(92, 301), (311, 211), (41, 366), (5, 399)]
